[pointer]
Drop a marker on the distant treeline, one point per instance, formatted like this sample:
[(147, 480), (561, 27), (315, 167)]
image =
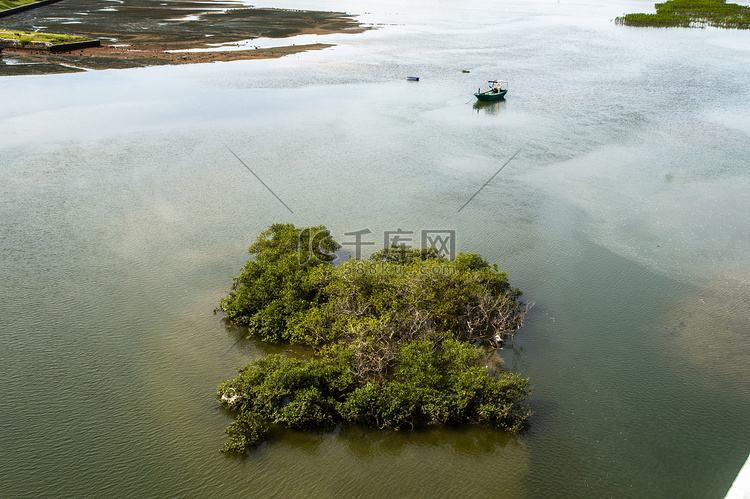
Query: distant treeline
[(687, 13)]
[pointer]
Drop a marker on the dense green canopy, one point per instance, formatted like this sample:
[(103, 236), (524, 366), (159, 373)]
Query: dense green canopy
[(400, 340)]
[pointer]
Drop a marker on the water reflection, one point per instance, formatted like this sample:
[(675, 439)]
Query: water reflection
[(365, 442), (466, 440), (490, 108), (252, 348), (370, 463)]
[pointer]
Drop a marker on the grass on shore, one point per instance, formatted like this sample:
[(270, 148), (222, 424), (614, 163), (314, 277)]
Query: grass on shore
[(25, 37), (686, 13), (9, 4)]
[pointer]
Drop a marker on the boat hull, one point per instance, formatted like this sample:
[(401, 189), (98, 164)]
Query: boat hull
[(489, 96)]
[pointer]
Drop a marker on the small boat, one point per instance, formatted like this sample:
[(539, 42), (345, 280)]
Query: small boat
[(412, 78), (497, 91), (326, 255)]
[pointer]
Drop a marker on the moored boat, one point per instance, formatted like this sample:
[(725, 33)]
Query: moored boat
[(497, 90)]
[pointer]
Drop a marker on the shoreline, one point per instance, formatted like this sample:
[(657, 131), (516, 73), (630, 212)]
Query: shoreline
[(149, 34), (109, 57)]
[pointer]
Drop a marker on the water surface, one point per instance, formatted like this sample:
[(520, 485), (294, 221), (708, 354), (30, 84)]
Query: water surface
[(624, 217)]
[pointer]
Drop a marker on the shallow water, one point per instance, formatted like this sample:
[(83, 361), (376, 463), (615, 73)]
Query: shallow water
[(624, 217)]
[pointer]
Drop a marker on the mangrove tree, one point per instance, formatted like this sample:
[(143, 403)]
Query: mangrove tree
[(400, 340)]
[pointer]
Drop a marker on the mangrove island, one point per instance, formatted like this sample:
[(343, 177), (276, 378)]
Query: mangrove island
[(400, 341)]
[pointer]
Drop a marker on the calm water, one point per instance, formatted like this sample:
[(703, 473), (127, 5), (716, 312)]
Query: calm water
[(625, 217)]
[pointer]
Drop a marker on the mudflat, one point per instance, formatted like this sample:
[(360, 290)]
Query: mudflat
[(146, 32)]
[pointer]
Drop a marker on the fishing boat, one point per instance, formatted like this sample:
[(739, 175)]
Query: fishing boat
[(497, 91)]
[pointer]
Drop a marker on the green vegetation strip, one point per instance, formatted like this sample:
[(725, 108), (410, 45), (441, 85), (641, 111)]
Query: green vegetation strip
[(686, 13), (401, 341), (10, 4), (26, 37)]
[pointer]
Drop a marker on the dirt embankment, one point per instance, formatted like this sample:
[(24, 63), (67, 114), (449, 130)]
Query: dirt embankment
[(144, 32)]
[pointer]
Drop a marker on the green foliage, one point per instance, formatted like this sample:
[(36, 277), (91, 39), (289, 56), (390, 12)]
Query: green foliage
[(276, 288), (684, 13), (417, 298), (246, 430), (391, 335), (26, 37), (402, 255), (276, 389), (439, 383), (9, 4), (434, 383)]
